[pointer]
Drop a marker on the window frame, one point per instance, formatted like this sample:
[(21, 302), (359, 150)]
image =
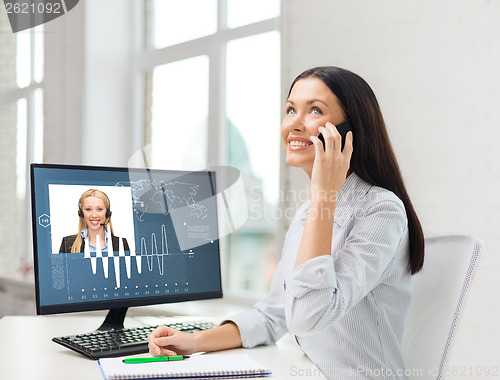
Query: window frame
[(13, 95), (213, 46)]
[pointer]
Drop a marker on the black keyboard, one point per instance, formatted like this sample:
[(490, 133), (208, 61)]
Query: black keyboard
[(109, 343)]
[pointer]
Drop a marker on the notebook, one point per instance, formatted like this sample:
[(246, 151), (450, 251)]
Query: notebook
[(218, 366)]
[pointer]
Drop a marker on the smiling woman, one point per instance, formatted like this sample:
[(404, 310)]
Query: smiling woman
[(309, 107), (94, 226), (342, 287)]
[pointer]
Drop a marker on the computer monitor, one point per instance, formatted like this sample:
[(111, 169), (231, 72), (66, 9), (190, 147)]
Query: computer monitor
[(163, 247)]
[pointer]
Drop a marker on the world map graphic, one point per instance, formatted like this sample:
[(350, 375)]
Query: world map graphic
[(151, 196)]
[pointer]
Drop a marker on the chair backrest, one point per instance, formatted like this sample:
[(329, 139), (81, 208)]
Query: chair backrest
[(438, 294)]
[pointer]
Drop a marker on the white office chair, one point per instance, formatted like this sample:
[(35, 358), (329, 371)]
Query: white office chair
[(438, 294)]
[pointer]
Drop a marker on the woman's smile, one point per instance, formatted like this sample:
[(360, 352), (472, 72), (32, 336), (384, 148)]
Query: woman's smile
[(297, 143)]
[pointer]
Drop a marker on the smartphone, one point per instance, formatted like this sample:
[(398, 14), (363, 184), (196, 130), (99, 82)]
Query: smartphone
[(343, 128)]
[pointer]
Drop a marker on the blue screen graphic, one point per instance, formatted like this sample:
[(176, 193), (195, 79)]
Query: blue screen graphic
[(165, 235)]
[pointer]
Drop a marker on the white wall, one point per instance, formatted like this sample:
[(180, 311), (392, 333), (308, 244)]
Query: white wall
[(435, 68), (63, 88), (89, 86), (107, 116)]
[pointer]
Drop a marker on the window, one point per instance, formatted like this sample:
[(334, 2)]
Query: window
[(243, 12), (173, 22), (253, 133), (21, 128), (179, 118), (212, 99)]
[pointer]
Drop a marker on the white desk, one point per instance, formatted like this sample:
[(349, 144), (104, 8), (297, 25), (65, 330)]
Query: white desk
[(27, 352)]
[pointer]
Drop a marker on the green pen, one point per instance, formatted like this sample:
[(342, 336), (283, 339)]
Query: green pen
[(155, 359)]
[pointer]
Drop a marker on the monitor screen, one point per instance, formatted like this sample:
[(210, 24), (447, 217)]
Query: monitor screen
[(110, 238)]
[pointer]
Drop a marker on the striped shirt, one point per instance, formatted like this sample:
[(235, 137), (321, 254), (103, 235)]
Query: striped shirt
[(346, 310)]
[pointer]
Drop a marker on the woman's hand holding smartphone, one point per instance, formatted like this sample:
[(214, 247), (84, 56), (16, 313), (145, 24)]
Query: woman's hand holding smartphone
[(342, 128), (331, 163)]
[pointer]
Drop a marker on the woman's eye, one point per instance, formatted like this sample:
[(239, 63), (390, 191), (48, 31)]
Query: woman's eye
[(316, 111), (290, 111)]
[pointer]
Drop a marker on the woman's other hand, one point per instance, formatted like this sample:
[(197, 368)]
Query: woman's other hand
[(166, 341)]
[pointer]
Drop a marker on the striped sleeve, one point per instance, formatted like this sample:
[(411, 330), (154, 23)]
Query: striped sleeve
[(325, 288), (265, 322)]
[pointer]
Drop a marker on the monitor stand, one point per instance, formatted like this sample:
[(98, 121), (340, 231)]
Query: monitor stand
[(114, 319)]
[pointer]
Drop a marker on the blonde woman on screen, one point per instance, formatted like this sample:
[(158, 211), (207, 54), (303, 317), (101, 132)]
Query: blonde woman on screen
[(94, 215)]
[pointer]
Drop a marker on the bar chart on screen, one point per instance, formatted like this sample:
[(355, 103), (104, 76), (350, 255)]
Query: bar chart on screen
[(154, 256)]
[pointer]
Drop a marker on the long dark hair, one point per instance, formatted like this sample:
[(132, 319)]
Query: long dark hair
[(373, 158)]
